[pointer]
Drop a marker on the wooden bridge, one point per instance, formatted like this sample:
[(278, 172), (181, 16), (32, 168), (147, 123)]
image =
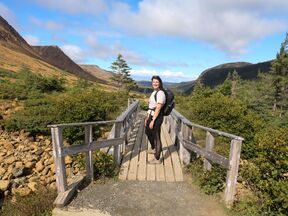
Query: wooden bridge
[(128, 144)]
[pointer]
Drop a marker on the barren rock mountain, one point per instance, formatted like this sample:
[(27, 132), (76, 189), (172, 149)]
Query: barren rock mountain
[(56, 57)]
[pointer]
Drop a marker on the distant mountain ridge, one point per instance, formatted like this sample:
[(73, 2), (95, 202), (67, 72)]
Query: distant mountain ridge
[(16, 53), (56, 57), (218, 74), (10, 38)]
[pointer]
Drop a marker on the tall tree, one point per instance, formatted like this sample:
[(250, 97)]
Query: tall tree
[(235, 80), (279, 71), (122, 74)]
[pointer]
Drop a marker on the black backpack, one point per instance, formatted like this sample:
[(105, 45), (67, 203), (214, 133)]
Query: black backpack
[(169, 104)]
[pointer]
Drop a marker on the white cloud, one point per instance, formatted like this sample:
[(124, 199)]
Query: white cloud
[(74, 52), (32, 40), (75, 6), (50, 25), (166, 75), (7, 14), (229, 25), (110, 51)]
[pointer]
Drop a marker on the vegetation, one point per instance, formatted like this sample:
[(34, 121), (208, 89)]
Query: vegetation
[(122, 74), (39, 203), (256, 110), (47, 100)]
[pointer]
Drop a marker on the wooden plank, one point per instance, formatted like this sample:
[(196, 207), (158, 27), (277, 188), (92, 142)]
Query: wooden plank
[(126, 159), (142, 168), (57, 140), (117, 151), (64, 197), (232, 174), (95, 145), (151, 175), (132, 174), (169, 173), (210, 141), (212, 156), (174, 157), (160, 174), (89, 156)]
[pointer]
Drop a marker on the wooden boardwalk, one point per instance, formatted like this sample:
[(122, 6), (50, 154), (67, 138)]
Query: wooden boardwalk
[(135, 164)]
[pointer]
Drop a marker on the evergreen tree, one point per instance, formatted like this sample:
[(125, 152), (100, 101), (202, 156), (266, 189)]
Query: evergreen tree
[(235, 80), (279, 71), (122, 74)]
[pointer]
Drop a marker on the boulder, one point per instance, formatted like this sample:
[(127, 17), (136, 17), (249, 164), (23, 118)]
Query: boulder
[(10, 160), (39, 166), (2, 171), (4, 185), (32, 186), (30, 165), (21, 191)]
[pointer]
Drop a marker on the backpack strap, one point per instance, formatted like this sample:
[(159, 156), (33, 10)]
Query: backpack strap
[(155, 96)]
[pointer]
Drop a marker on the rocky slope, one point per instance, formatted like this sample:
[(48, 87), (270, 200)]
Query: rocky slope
[(56, 57)]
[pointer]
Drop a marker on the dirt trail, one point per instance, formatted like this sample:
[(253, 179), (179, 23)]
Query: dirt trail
[(142, 198)]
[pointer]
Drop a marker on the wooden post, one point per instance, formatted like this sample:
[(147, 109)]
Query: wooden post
[(117, 151), (59, 161), (89, 154), (232, 173), (184, 154), (210, 141)]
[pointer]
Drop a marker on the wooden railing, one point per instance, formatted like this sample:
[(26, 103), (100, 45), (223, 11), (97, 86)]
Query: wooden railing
[(181, 131), (117, 139)]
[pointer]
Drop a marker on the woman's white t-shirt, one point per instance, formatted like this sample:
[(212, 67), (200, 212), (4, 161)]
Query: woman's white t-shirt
[(153, 103)]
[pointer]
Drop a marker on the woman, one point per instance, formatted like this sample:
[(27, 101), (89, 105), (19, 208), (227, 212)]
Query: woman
[(154, 119)]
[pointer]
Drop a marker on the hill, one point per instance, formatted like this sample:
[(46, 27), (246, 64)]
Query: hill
[(16, 53), (218, 74), (247, 71), (56, 57), (103, 76)]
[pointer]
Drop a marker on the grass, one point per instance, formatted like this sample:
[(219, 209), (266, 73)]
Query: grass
[(39, 203)]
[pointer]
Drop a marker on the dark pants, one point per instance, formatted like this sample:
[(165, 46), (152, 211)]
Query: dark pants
[(155, 134)]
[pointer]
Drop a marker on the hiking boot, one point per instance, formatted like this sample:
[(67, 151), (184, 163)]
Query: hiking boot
[(151, 151), (155, 161)]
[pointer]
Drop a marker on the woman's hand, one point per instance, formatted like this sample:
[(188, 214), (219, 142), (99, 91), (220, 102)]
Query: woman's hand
[(151, 125), (145, 124)]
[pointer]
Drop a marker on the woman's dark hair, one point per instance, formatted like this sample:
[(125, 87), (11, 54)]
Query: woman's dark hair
[(160, 81)]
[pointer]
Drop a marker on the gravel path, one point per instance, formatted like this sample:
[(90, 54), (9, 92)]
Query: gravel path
[(144, 198)]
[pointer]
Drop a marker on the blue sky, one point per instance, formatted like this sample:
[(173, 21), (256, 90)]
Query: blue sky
[(176, 39)]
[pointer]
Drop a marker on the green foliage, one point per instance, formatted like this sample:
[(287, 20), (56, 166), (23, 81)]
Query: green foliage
[(82, 106), (122, 74), (103, 164), (209, 181), (29, 85), (212, 109), (270, 175), (36, 204)]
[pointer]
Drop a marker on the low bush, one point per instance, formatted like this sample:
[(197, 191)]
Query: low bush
[(267, 173), (29, 85), (81, 106)]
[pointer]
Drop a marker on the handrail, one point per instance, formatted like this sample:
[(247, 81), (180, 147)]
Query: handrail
[(189, 123), (82, 124), (119, 134), (181, 132)]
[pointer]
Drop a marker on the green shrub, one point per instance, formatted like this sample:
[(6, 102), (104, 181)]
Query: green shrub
[(82, 106), (30, 85), (102, 163), (209, 181), (212, 109), (268, 173)]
